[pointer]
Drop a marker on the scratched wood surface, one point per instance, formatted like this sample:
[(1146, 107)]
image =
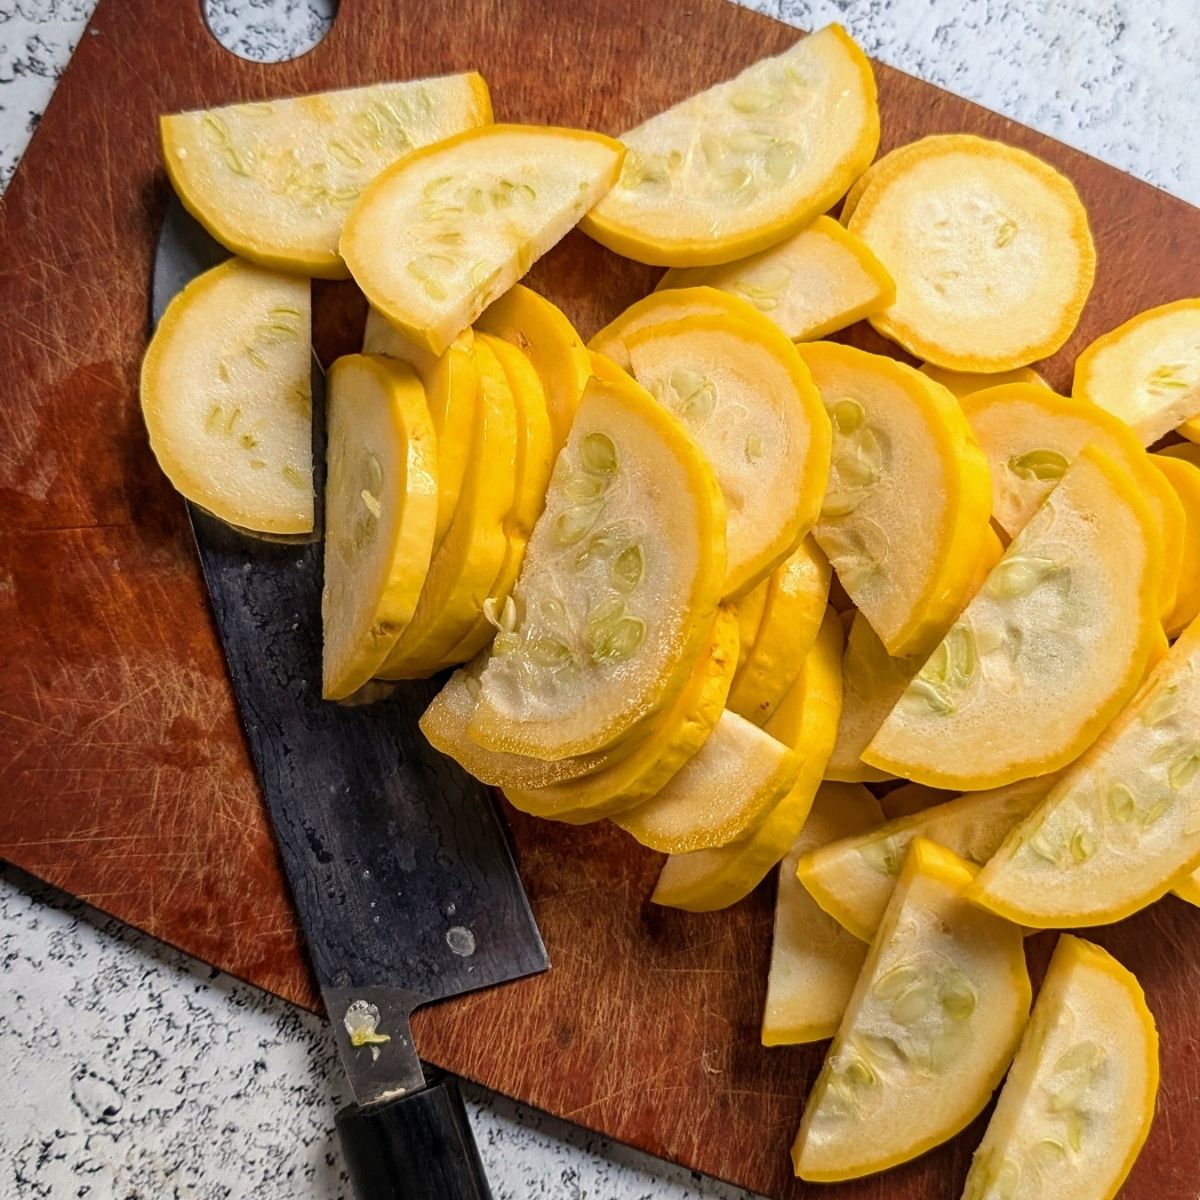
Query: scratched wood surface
[(123, 773)]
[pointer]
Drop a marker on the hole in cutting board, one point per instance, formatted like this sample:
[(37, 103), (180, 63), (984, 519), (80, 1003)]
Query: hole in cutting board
[(269, 31)]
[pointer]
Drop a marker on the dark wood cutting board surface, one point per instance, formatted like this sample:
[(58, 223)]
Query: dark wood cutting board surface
[(123, 773)]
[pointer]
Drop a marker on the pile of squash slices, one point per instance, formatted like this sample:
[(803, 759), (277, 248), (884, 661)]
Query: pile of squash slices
[(710, 574)]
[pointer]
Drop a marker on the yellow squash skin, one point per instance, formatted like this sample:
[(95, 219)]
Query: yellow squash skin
[(1184, 478), (965, 383)]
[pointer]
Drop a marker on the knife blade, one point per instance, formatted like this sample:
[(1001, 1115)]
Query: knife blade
[(398, 862)]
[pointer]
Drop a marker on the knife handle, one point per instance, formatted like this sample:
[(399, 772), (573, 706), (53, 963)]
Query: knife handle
[(419, 1147)]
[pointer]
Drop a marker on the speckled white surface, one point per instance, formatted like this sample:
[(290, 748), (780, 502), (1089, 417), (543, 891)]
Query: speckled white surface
[(127, 1070)]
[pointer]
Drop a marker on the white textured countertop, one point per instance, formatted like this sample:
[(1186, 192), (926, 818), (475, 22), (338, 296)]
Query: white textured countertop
[(130, 1071)]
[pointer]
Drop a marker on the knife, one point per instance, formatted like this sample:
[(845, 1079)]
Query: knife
[(398, 862)]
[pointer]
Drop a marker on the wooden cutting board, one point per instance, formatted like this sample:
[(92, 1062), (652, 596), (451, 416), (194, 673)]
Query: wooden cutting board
[(123, 774)]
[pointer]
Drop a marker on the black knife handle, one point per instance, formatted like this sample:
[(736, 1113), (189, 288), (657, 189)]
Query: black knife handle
[(419, 1147)]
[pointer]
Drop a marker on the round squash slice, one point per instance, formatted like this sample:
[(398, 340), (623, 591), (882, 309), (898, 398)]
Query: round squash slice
[(473, 551), (806, 720), (1031, 434), (1184, 478), (810, 285), (452, 393), (989, 247), (797, 594), (890, 161), (1122, 826), (746, 163), (381, 499), (619, 588), (721, 792), (908, 499), (463, 220), (541, 331), (814, 961), (965, 383), (928, 1032), (1077, 1105), (1147, 371), (274, 180), (677, 735), (661, 308), (749, 611), (226, 394), (852, 879), (741, 390), (1049, 649), (1189, 888)]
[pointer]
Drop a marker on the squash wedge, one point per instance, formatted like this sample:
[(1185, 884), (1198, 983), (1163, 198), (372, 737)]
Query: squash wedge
[(741, 390), (226, 393), (909, 495), (473, 550), (654, 760), (619, 587), (273, 180), (965, 383), (1049, 649), (1122, 826), (381, 504), (745, 164), (542, 332), (989, 247), (814, 961), (811, 285), (797, 595), (806, 720), (1147, 371), (464, 219), (852, 879), (1184, 478), (1077, 1105), (928, 1032)]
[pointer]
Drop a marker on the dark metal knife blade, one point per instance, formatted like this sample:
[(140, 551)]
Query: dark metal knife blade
[(398, 862)]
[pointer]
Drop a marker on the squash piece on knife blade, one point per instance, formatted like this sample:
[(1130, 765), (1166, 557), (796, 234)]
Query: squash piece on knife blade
[(741, 390), (931, 1026), (619, 587), (441, 234), (814, 961), (273, 180), (226, 394), (811, 285), (743, 165), (1077, 1105), (381, 503)]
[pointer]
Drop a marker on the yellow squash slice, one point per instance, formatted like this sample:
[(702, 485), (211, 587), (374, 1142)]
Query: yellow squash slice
[(473, 551), (910, 798), (749, 611), (452, 392), (381, 503), (1122, 826), (989, 247), (814, 283), (661, 308), (852, 879), (1189, 888), (964, 383), (928, 1032), (677, 735), (908, 499), (1188, 451), (541, 331), (619, 588), (794, 604), (604, 369), (274, 180), (720, 793), (814, 961), (448, 229), (1184, 478), (1077, 1105), (741, 390), (739, 167), (806, 720), (1049, 649), (226, 394), (1147, 371)]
